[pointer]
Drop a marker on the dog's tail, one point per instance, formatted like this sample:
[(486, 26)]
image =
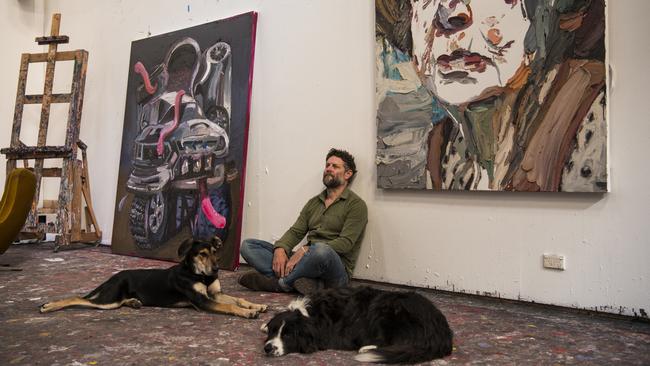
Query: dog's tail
[(402, 353)]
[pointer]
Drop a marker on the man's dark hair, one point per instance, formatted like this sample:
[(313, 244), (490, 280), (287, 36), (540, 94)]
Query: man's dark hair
[(348, 161)]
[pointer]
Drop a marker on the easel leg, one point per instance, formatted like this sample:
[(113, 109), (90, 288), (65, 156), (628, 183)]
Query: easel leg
[(65, 206)]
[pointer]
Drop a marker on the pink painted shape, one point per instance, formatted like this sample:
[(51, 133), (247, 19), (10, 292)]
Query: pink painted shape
[(206, 206), (160, 148), (140, 69)]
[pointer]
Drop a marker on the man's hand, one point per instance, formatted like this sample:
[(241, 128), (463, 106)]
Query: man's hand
[(295, 258), (279, 262)]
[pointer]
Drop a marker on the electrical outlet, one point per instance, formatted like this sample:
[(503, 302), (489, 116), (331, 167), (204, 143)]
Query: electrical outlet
[(554, 261)]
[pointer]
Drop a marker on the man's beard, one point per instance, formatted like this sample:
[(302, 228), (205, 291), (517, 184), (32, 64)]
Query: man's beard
[(331, 181)]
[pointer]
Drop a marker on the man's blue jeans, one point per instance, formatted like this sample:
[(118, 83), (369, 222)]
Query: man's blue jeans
[(319, 262)]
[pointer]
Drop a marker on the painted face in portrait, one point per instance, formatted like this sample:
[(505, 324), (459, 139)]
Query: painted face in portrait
[(463, 47)]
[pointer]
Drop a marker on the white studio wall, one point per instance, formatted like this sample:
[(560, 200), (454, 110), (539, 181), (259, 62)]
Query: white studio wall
[(314, 88), (22, 22)]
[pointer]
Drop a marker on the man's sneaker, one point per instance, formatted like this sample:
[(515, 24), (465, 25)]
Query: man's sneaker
[(258, 282), (307, 286)]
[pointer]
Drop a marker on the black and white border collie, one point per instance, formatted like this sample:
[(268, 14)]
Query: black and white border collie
[(386, 327)]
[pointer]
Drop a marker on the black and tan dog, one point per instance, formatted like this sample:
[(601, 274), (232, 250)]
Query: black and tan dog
[(192, 282)]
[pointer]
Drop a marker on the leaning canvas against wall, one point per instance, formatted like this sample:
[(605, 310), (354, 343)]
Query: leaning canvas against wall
[(183, 156), (502, 95)]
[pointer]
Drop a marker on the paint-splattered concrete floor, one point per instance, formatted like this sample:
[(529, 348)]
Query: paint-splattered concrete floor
[(487, 331)]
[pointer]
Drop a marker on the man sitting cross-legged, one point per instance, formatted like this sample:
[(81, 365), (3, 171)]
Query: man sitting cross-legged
[(334, 222)]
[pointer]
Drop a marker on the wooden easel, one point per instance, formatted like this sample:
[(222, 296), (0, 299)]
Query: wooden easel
[(75, 184)]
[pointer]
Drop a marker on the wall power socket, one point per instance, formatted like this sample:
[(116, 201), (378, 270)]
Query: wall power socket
[(554, 261)]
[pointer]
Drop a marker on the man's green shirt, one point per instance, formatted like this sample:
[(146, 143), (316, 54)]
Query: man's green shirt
[(341, 226)]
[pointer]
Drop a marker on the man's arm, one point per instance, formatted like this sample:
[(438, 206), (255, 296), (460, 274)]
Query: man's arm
[(355, 223), (290, 239)]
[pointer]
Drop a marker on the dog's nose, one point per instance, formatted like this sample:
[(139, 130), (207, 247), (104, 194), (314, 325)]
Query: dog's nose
[(269, 348)]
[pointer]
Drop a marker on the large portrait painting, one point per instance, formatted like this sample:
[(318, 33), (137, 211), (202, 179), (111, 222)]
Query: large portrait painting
[(183, 157), (495, 95)]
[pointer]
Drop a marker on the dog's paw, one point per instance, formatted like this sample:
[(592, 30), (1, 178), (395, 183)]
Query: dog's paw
[(366, 349), (133, 303), (261, 308), (45, 308), (252, 314)]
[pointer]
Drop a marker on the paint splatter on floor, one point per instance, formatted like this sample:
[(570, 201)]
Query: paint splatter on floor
[(487, 331)]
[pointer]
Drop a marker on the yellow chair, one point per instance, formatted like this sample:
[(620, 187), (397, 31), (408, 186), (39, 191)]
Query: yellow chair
[(15, 205)]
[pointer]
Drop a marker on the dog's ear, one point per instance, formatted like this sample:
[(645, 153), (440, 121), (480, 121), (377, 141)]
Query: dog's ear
[(185, 247), (216, 242)]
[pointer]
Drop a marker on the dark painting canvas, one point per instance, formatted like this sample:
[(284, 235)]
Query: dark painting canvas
[(496, 95), (183, 157)]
